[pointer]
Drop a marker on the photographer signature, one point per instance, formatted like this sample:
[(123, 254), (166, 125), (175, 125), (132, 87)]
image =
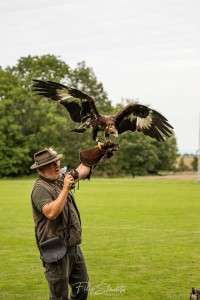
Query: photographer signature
[(100, 289)]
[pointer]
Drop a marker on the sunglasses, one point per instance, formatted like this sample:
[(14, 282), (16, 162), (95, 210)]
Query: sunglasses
[(54, 164)]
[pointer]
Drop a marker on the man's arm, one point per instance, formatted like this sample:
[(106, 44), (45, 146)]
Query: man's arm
[(53, 209), (89, 159), (83, 171)]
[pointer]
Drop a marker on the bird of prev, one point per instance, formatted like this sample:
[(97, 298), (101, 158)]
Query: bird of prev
[(82, 110)]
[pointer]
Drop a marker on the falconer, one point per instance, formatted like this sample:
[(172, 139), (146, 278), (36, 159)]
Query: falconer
[(57, 220)]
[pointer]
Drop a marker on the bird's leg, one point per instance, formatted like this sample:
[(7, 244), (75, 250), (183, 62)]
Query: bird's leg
[(107, 137), (96, 138), (94, 135), (99, 144)]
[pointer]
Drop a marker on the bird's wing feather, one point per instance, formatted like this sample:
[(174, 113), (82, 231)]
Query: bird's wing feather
[(141, 118), (79, 105)]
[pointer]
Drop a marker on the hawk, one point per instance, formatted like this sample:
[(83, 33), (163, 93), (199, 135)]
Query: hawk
[(82, 109)]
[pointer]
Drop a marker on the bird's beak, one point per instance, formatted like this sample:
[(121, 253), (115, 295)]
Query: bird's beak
[(112, 130), (115, 133)]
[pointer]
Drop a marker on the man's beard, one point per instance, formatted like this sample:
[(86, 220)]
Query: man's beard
[(51, 177)]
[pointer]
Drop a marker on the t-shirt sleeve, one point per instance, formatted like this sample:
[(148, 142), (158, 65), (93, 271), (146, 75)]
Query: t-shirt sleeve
[(40, 197)]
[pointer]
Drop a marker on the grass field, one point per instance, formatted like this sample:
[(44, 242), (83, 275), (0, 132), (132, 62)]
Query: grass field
[(140, 239)]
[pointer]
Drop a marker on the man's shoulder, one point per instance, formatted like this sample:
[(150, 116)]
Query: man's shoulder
[(39, 187), (40, 195)]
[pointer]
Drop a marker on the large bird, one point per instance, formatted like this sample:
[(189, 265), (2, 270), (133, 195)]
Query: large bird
[(82, 109)]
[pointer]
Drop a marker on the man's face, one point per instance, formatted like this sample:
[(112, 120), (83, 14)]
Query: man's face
[(51, 171)]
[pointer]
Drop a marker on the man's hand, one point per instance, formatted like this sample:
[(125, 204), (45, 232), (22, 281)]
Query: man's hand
[(68, 181)]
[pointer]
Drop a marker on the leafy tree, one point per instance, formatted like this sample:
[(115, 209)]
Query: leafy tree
[(181, 165), (194, 163), (13, 154), (137, 155), (29, 123), (166, 153)]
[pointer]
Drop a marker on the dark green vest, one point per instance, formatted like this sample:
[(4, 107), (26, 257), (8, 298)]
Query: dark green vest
[(67, 225)]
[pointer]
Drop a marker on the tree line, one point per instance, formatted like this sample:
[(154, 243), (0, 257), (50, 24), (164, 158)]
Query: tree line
[(29, 123)]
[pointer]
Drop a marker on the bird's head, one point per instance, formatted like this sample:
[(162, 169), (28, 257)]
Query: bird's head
[(111, 129)]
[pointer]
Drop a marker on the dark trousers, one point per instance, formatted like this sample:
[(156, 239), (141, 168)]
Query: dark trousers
[(70, 270)]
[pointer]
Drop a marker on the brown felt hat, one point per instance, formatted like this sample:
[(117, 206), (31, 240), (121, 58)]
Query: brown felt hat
[(45, 157)]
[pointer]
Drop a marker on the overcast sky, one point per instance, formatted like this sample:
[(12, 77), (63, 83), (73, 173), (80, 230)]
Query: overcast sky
[(147, 50)]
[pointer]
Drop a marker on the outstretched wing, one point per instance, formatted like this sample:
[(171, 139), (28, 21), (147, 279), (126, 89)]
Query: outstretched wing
[(137, 117), (80, 106)]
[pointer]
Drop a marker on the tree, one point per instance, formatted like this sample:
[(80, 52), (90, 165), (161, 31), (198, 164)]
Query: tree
[(13, 154), (29, 123), (137, 155), (194, 163), (181, 165), (166, 153)]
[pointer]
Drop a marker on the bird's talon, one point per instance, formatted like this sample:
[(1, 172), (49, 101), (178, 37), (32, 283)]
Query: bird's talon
[(100, 145)]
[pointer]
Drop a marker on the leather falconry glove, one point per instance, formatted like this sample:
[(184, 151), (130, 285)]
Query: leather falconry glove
[(93, 156)]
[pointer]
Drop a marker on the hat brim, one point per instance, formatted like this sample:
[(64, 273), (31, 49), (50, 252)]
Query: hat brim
[(36, 166)]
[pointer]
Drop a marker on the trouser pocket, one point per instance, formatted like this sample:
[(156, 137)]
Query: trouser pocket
[(59, 290), (56, 276)]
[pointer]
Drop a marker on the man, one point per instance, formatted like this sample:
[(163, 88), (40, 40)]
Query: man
[(57, 220)]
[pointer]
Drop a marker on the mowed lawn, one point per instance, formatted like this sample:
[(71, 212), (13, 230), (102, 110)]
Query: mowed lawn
[(141, 239)]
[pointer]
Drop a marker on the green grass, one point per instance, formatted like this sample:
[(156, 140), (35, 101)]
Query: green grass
[(140, 237)]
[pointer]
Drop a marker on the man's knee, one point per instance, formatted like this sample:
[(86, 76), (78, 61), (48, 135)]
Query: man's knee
[(59, 290)]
